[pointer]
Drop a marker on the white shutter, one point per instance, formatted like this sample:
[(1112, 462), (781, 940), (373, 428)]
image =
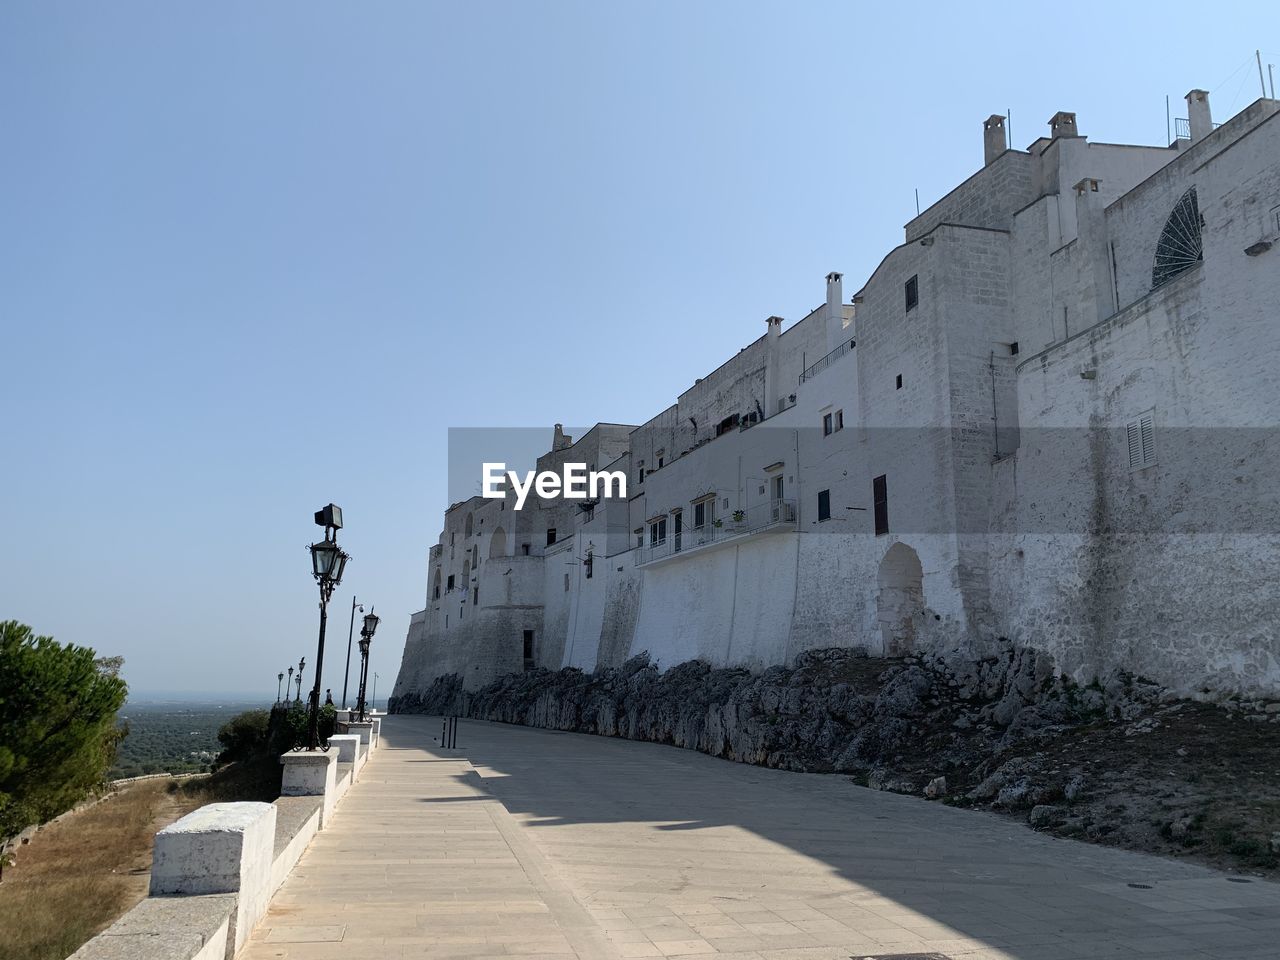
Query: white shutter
[(1147, 424), (1140, 440)]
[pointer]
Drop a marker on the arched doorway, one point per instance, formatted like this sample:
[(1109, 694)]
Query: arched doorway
[(901, 599), (498, 544)]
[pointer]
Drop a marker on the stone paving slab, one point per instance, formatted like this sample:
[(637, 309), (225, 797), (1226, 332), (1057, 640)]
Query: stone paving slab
[(534, 843)]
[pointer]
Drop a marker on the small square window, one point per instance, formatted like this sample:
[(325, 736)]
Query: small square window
[(912, 288), (566, 583), (828, 425), (1013, 349), (899, 382), (824, 505)]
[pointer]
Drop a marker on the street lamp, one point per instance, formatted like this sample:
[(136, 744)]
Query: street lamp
[(279, 680), (374, 699), (350, 629), (298, 679), (366, 637), (287, 686), (327, 564)]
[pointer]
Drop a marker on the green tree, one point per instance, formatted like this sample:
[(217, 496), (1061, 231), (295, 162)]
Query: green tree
[(58, 731), (244, 734)]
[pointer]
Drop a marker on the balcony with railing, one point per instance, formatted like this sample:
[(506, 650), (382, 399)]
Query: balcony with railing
[(816, 368), (775, 516)]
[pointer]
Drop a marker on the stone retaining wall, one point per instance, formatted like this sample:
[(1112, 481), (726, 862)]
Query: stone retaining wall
[(215, 870)]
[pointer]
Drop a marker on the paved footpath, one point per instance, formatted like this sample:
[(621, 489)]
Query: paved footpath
[(529, 842)]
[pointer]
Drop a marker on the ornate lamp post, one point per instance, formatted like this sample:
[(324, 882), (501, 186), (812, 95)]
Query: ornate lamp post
[(327, 564), (298, 679), (279, 680), (346, 675), (287, 686), (366, 636)]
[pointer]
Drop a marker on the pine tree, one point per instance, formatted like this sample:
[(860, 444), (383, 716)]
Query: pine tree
[(58, 730)]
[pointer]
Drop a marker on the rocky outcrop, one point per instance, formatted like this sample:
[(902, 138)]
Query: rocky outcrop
[(834, 710)]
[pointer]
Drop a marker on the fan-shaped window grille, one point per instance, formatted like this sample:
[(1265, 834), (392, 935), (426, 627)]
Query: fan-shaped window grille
[(1179, 246)]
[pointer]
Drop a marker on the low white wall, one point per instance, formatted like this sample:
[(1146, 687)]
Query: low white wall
[(215, 870)]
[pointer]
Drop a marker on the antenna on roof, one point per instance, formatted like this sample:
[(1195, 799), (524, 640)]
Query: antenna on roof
[(1168, 121), (1008, 127), (917, 201), (1261, 81)]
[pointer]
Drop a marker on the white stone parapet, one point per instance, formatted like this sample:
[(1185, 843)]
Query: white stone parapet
[(346, 746), (214, 871), (220, 848), (363, 730), (311, 773)]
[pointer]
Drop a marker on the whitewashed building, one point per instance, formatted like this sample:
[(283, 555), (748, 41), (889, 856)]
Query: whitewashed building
[(1048, 417)]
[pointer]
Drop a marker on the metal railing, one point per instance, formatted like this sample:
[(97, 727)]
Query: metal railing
[(1182, 128), (763, 516), (829, 359)]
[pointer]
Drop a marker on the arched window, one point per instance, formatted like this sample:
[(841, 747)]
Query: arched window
[(1180, 246), (467, 530), (435, 586), (498, 543)]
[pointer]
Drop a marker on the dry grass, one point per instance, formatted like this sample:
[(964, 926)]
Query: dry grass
[(77, 876)]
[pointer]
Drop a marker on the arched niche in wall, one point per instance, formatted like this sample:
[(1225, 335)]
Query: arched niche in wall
[(498, 543), (901, 599)]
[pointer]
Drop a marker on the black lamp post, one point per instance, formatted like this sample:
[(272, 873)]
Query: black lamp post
[(366, 636), (346, 675), (288, 686), (279, 680), (298, 679), (327, 563)]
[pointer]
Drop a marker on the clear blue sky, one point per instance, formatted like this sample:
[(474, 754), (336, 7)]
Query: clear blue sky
[(255, 257)]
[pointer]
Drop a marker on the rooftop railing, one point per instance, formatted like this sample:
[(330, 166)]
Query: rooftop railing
[(829, 359)]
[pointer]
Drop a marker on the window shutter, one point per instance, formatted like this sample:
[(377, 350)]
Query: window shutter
[(1140, 441), (1148, 440)]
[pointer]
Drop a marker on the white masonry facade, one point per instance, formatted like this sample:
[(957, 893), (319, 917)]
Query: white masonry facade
[(1048, 418)]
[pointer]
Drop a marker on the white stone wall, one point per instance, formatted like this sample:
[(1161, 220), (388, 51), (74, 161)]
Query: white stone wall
[(1012, 509)]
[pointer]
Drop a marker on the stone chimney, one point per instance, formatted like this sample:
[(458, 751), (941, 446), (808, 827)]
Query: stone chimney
[(1063, 124), (560, 441), (994, 141), (835, 309), (1198, 114), (1091, 248), (772, 380)]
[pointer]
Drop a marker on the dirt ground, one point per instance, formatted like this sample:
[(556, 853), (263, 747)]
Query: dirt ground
[(79, 874)]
